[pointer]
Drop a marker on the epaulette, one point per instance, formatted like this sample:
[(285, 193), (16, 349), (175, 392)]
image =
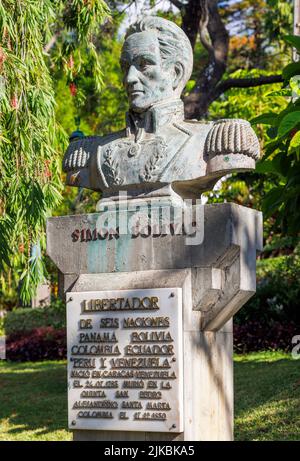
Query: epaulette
[(232, 136), (79, 153)]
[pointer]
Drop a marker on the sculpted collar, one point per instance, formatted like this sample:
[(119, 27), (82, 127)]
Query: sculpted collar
[(154, 118)]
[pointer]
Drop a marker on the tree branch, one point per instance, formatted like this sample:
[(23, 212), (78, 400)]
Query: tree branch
[(198, 101), (204, 18), (177, 3), (191, 14), (246, 83)]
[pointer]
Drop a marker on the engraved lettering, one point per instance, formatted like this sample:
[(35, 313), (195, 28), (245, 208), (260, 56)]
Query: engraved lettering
[(139, 363), (88, 235), (80, 374), (85, 324), (93, 394), (123, 362), (95, 414), (75, 235), (95, 404), (133, 384), (146, 322), (109, 323), (121, 395), (158, 406), (102, 362), (95, 350), (151, 336), (132, 405), (150, 395), (97, 337), (165, 385), (101, 384), (84, 363), (149, 350), (120, 304)]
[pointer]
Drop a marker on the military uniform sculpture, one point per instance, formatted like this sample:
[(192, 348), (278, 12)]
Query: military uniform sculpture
[(183, 382), (160, 153)]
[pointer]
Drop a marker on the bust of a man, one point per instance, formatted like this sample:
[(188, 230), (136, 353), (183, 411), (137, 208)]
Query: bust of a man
[(159, 153)]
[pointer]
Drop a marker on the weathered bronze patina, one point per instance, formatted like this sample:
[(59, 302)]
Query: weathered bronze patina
[(159, 153)]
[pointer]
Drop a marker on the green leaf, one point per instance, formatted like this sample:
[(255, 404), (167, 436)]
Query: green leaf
[(288, 122), (294, 144), (290, 70), (295, 85), (271, 146), (190, 85), (278, 165), (272, 200), (272, 132), (264, 167), (293, 40), (284, 92), (267, 119)]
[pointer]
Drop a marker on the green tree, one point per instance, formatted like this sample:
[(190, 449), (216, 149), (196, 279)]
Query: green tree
[(36, 37), (256, 49), (282, 151)]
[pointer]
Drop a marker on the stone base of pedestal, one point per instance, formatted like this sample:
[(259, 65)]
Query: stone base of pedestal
[(216, 276)]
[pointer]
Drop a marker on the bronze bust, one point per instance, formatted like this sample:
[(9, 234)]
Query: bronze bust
[(159, 153)]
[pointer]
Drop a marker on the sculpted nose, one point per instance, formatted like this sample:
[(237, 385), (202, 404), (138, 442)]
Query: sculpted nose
[(131, 76)]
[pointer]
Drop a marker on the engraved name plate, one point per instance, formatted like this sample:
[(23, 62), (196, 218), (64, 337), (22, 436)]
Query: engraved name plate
[(125, 370)]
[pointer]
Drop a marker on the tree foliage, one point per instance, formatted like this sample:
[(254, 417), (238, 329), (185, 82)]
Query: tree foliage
[(31, 142), (234, 34), (282, 151)]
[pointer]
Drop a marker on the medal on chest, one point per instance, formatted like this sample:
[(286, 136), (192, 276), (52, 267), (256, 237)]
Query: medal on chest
[(118, 157)]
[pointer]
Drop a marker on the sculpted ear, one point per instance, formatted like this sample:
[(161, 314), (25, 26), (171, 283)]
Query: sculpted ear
[(179, 74)]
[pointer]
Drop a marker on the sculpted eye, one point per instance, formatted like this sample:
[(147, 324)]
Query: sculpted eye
[(144, 63)]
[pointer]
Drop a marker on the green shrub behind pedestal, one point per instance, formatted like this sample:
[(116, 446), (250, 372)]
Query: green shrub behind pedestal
[(277, 295), (27, 319)]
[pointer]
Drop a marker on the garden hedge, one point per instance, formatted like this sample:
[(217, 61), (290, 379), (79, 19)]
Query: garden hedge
[(27, 319)]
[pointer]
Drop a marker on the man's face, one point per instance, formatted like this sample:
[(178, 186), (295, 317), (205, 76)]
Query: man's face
[(147, 79)]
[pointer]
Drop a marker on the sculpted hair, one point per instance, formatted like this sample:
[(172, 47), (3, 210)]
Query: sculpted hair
[(174, 44)]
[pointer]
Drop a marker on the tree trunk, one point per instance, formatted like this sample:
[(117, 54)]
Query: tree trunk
[(198, 101), (202, 16), (191, 15)]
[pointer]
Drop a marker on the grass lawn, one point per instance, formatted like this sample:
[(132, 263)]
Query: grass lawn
[(33, 402), (267, 397)]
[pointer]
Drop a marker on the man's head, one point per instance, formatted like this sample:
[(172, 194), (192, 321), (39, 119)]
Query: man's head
[(157, 62)]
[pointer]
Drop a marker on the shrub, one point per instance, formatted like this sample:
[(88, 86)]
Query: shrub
[(46, 343), (257, 336), (277, 296), (27, 319)]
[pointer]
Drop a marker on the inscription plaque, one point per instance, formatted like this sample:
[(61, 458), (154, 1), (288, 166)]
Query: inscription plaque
[(125, 370)]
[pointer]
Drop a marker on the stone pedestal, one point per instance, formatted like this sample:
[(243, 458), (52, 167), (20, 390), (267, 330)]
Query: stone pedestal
[(216, 276), (43, 296)]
